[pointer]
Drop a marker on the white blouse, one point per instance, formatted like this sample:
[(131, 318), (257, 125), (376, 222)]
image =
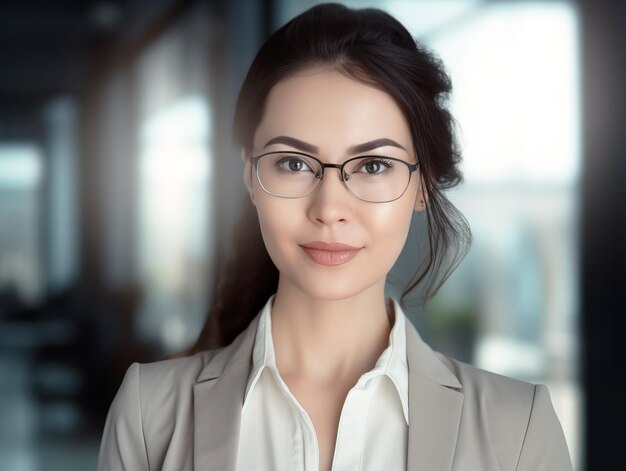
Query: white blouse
[(277, 434)]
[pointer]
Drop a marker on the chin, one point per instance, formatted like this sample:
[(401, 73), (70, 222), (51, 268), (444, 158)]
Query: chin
[(332, 288)]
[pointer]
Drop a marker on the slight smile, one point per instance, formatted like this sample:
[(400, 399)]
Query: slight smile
[(330, 253)]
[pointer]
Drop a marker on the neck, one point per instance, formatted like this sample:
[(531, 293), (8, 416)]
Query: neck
[(325, 340)]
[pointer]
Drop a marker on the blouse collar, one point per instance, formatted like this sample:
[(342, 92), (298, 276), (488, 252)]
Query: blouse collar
[(392, 361)]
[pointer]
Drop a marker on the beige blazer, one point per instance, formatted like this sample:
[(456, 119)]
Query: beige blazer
[(184, 414)]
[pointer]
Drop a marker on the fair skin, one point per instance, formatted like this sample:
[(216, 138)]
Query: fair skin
[(330, 323)]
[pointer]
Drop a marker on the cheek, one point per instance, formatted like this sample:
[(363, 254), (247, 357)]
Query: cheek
[(389, 228), (278, 224)]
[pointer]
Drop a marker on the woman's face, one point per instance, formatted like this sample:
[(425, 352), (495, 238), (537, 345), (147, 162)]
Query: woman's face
[(330, 113)]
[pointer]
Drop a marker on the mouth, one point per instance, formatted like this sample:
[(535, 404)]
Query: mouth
[(330, 253)]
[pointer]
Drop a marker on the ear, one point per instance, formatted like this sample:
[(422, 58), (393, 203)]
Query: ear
[(247, 172), (422, 196)]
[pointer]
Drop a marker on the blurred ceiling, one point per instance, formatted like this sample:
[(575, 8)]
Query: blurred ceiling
[(48, 48), (44, 52), (44, 45)]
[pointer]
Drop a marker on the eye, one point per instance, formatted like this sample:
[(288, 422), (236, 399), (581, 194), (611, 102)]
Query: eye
[(374, 165), (293, 164)]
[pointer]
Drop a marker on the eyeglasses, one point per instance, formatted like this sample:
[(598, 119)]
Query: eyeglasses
[(371, 178)]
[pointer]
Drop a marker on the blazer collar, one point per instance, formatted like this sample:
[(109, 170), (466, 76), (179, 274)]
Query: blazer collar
[(435, 403), (217, 399)]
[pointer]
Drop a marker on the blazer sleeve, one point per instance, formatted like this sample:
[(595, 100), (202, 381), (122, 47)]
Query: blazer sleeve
[(123, 446), (544, 446)]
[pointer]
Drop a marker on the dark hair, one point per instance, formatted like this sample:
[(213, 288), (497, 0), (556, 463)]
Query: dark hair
[(370, 46)]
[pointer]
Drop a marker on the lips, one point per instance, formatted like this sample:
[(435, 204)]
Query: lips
[(330, 253)]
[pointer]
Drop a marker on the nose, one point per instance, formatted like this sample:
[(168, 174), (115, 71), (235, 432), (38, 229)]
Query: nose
[(331, 202)]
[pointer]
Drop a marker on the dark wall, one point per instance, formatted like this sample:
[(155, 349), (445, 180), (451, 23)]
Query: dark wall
[(603, 282)]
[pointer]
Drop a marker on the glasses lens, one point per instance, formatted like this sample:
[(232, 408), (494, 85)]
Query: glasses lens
[(377, 179), (288, 175)]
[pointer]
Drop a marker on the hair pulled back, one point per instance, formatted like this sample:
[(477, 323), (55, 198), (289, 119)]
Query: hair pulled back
[(370, 46)]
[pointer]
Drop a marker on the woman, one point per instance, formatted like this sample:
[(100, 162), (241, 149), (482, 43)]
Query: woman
[(303, 363)]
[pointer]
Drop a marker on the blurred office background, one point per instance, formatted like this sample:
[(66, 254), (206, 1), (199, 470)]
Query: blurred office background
[(119, 186)]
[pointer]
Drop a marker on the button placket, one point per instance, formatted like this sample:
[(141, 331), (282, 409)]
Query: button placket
[(351, 430)]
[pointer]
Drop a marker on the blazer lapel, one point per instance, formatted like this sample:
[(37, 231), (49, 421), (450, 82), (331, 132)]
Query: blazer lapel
[(218, 398), (435, 403)]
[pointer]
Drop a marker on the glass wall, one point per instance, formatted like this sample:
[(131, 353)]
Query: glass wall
[(174, 174), (174, 246), (155, 128), (21, 257)]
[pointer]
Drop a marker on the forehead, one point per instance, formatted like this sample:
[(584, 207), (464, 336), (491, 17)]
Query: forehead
[(332, 111)]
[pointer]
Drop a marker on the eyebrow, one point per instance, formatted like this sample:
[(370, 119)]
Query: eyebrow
[(370, 145), (293, 142), (311, 149)]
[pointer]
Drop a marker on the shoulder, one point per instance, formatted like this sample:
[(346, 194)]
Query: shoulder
[(152, 413), (496, 404), (516, 416), (163, 378), (172, 374), (162, 382), (165, 388), (491, 388), (151, 422)]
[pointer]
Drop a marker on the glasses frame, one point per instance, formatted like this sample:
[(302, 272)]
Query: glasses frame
[(344, 176)]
